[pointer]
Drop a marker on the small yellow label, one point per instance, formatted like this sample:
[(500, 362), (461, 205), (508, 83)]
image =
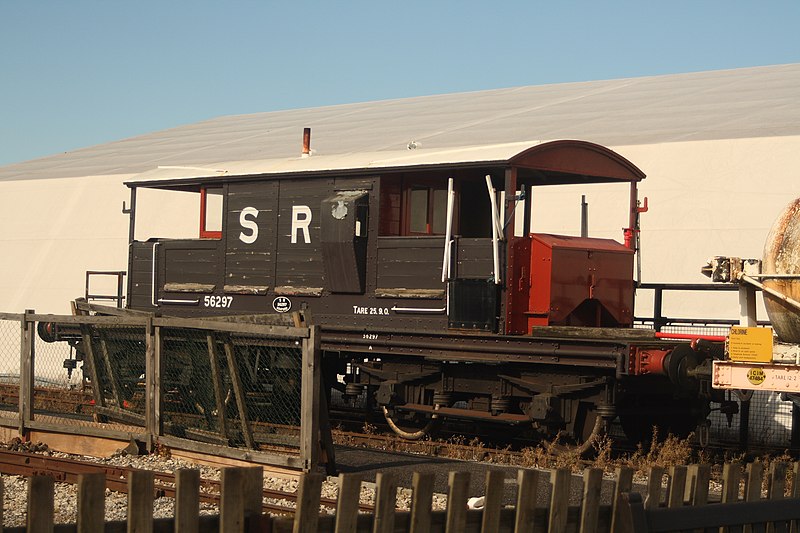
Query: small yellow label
[(750, 344), (756, 376)]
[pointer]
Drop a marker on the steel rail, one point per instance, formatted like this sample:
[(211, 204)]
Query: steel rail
[(66, 470)]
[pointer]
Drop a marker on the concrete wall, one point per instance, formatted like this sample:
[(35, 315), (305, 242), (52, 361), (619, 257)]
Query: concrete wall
[(53, 231)]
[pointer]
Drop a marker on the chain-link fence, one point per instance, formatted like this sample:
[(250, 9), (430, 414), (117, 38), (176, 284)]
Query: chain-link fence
[(10, 339), (89, 374), (239, 385), (232, 389), (235, 385), (767, 419)]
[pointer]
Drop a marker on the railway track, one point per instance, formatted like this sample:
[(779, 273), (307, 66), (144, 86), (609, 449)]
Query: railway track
[(283, 438), (67, 471)]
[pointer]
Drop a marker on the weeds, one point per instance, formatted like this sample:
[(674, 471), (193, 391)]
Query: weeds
[(660, 452), (672, 451)]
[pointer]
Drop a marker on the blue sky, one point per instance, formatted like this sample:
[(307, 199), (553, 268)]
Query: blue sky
[(78, 73)]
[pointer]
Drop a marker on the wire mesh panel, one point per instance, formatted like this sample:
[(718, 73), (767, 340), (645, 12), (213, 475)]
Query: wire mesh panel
[(189, 407), (232, 389), (769, 423), (720, 330), (770, 420), (697, 329), (58, 390), (114, 366), (10, 339), (90, 373)]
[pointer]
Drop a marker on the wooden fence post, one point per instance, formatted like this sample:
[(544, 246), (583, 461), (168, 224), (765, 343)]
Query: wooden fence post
[(754, 476), (150, 398), (590, 503), (347, 502), (40, 504), (306, 516), (26, 366), (492, 500), (187, 500), (91, 502), (677, 486), (731, 475), (655, 475), (777, 480), (140, 501), (795, 492), (421, 502), (623, 483), (456, 519), (559, 500), (776, 488), (385, 502), (231, 500), (700, 476), (311, 384), (253, 486), (526, 500)]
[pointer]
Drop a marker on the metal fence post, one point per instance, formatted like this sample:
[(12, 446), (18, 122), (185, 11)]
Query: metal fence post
[(26, 381), (658, 304), (158, 374), (148, 381), (152, 402), (310, 400)]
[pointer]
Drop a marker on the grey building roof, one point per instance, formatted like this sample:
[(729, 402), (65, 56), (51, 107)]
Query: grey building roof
[(740, 103)]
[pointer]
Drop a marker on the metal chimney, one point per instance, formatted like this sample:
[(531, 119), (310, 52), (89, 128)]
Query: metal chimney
[(306, 142)]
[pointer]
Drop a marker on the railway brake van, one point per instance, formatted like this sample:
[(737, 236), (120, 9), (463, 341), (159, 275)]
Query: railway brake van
[(434, 299)]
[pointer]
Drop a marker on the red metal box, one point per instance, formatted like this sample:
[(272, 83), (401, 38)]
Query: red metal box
[(579, 281)]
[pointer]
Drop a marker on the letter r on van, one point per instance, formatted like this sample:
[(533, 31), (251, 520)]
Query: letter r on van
[(301, 220)]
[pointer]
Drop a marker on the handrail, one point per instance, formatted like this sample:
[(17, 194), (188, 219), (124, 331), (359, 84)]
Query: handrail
[(119, 297)]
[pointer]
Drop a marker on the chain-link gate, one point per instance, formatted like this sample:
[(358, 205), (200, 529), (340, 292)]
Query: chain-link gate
[(254, 387), (231, 389)]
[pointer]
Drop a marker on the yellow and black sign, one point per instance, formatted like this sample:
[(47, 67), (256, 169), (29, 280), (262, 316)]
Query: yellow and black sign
[(756, 376), (752, 345)]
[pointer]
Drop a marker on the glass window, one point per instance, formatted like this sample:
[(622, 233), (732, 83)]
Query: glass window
[(439, 215), (418, 211), (211, 213)]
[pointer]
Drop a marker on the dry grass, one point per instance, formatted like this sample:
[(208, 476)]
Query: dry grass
[(671, 451), (664, 452)]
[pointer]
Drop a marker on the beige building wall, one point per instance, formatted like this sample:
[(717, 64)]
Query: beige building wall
[(710, 198), (55, 230)]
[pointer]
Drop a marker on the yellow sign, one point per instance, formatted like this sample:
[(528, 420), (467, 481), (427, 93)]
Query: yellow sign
[(756, 376), (750, 344)]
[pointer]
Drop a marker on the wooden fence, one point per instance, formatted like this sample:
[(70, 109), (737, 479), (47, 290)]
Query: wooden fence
[(677, 499)]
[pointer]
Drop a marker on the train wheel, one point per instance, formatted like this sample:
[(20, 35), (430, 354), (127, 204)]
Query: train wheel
[(416, 432)]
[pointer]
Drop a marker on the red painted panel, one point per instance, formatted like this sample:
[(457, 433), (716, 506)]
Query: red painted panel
[(579, 282), (519, 287)]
